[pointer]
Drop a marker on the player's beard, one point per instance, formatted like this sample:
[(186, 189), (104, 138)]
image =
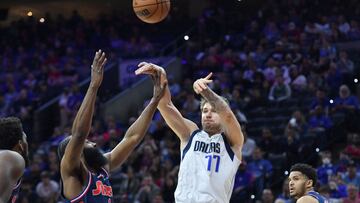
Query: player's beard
[(94, 158), (299, 193), (212, 128)]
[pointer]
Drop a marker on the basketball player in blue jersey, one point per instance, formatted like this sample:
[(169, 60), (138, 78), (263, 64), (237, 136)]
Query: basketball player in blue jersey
[(13, 158), (84, 169), (210, 156), (302, 180)]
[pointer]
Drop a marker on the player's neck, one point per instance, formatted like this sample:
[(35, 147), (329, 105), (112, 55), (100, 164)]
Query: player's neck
[(211, 133), (309, 190)]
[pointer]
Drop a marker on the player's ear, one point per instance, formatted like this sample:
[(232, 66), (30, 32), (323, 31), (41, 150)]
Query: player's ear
[(309, 183), (19, 147)]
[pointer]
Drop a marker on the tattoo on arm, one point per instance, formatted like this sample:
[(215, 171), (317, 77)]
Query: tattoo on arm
[(215, 100)]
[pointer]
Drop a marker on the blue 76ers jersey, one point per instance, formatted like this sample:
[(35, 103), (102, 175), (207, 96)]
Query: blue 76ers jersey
[(318, 197), (207, 170), (15, 192), (97, 190)]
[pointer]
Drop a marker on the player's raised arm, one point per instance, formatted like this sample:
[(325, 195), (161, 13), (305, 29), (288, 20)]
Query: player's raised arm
[(11, 171), (180, 125), (82, 123), (137, 130), (231, 125)]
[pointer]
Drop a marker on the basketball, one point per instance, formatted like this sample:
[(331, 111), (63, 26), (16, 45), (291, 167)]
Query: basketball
[(151, 11)]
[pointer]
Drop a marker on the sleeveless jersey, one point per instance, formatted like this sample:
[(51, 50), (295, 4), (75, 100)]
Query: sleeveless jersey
[(15, 193), (97, 190), (207, 170), (318, 197)]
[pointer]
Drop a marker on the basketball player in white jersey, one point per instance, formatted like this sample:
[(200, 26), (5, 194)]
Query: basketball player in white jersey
[(210, 156)]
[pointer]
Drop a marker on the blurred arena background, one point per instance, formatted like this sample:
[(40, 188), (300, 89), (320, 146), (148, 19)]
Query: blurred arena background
[(290, 70)]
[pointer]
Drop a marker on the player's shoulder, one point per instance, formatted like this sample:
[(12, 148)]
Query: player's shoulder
[(307, 199), (12, 159), (9, 154)]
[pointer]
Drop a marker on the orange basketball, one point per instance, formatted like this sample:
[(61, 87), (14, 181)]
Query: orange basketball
[(151, 11)]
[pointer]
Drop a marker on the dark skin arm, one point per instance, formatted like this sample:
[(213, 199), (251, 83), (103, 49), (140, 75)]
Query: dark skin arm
[(137, 130), (71, 169)]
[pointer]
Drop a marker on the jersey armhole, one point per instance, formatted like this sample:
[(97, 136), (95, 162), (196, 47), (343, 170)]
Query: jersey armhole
[(81, 195), (187, 147), (17, 184), (106, 171), (228, 148)]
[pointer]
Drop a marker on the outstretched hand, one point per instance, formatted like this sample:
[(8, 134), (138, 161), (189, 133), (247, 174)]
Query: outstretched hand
[(201, 84), (97, 68), (159, 88), (152, 69)]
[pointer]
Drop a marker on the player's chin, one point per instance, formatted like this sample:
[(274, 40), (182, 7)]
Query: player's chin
[(208, 127), (292, 193)]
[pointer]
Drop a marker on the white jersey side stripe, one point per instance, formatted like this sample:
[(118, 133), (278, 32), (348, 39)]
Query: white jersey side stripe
[(188, 145), (228, 147)]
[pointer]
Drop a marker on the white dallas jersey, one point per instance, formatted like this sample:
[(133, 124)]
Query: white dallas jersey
[(207, 170)]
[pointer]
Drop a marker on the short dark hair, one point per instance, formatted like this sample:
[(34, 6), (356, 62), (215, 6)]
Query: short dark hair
[(62, 147), (306, 170), (11, 132)]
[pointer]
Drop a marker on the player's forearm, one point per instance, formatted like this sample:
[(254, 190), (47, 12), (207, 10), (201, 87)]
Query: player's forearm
[(166, 99), (215, 101), (138, 129), (82, 122)]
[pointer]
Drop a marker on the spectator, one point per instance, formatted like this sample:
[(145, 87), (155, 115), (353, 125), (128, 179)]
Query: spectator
[(262, 169), (319, 122), (130, 184), (268, 142), (325, 191), (279, 91), (320, 99), (327, 169), (353, 194), (298, 123), (248, 147), (337, 187), (47, 189), (345, 65), (244, 181), (267, 196), (345, 102), (344, 26), (298, 80), (352, 177), (148, 190)]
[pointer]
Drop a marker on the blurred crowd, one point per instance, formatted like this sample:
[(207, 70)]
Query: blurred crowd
[(41, 60), (292, 87)]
